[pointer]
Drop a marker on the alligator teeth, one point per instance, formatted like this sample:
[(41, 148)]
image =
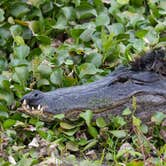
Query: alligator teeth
[(39, 107), (28, 107), (33, 108), (42, 109), (24, 102), (24, 107)]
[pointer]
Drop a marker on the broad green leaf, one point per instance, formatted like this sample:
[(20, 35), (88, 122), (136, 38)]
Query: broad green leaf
[(92, 131), (3, 114), (9, 123), (152, 37), (72, 146), (56, 77), (117, 28), (158, 117), (126, 111), (87, 34), (87, 116), (70, 132), (2, 15), (136, 121), (67, 126), (123, 2), (90, 145), (100, 122), (19, 10), (44, 69), (85, 10), (95, 59), (102, 19), (59, 116), (119, 133), (87, 69), (21, 52)]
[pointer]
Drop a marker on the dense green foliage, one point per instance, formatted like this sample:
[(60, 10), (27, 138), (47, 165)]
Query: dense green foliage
[(47, 44)]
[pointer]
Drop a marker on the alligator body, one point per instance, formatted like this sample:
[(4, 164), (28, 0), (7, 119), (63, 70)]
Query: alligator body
[(110, 95)]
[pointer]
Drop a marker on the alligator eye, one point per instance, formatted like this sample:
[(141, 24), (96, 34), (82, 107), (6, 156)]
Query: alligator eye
[(36, 94)]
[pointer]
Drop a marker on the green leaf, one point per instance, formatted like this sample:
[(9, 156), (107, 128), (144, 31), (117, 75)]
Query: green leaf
[(102, 19), (21, 52), (2, 15), (158, 117), (87, 116), (92, 131), (72, 146), (87, 34), (119, 133), (85, 10), (3, 114), (95, 59), (44, 39), (59, 116), (136, 121), (100, 122), (19, 10), (123, 2), (87, 69), (152, 37), (90, 145), (56, 77), (9, 123), (67, 126), (126, 111), (44, 69)]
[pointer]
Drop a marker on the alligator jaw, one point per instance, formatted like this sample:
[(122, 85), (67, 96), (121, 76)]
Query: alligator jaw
[(38, 111)]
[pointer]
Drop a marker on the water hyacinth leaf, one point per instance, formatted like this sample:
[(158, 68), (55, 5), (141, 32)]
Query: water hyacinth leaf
[(72, 146), (117, 28), (92, 131), (66, 126), (95, 59), (19, 10), (126, 111), (90, 145), (100, 122), (87, 116), (16, 30), (19, 40), (119, 133), (56, 77), (8, 123), (158, 117), (3, 114), (44, 69), (152, 37), (85, 10), (2, 15), (59, 116), (87, 34), (68, 12), (43, 39), (102, 19), (21, 52), (136, 121), (123, 2), (70, 132), (43, 82), (144, 128), (21, 74), (87, 69)]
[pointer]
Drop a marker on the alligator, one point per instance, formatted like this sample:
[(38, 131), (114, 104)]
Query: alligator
[(144, 83)]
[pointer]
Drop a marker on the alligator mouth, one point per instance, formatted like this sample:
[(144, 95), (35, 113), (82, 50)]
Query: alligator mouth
[(36, 111), (32, 108)]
